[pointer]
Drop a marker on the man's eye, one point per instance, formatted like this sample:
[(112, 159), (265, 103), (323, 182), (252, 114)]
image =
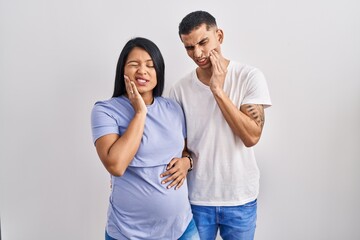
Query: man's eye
[(150, 66)]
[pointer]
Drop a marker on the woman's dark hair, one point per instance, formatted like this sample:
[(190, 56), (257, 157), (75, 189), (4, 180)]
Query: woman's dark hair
[(156, 57), (194, 20)]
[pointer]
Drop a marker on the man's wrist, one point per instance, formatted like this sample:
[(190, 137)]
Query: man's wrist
[(191, 162), (217, 92)]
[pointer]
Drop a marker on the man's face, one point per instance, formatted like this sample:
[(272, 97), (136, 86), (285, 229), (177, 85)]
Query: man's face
[(199, 42)]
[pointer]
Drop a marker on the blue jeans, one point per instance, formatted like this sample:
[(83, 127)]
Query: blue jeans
[(234, 222), (191, 233)]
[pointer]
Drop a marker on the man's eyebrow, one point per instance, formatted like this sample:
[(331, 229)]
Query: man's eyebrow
[(192, 46)]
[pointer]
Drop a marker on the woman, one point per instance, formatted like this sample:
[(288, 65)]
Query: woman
[(137, 133)]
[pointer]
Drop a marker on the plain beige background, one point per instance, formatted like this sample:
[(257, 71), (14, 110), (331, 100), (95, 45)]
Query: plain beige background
[(58, 57)]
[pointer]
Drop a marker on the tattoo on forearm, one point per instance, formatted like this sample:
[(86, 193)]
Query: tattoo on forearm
[(256, 112)]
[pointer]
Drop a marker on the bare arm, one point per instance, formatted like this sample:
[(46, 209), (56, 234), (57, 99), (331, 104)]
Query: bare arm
[(117, 152), (246, 122)]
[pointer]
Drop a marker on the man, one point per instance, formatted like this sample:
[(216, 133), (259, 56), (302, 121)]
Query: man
[(224, 103)]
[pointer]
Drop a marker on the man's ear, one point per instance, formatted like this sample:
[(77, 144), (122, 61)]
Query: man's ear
[(220, 35)]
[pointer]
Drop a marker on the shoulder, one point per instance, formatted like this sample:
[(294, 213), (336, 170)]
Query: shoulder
[(183, 81), (244, 72), (167, 102), (111, 105), (182, 86), (170, 105), (243, 68), (105, 104)]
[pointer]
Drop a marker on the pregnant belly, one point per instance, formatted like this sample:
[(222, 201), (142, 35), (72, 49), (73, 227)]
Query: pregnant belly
[(139, 194)]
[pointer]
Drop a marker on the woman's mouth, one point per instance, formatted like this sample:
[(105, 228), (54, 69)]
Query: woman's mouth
[(141, 81)]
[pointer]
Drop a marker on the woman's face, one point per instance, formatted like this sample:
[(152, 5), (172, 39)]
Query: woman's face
[(140, 69)]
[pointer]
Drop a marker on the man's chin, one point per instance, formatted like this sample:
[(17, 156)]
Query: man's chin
[(204, 66)]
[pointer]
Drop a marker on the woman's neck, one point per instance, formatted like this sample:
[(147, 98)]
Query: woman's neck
[(148, 98)]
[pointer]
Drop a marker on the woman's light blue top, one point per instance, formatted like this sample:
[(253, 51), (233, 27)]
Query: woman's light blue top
[(140, 206)]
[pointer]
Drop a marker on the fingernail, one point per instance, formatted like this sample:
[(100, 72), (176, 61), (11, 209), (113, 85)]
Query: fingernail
[(161, 175), (162, 182)]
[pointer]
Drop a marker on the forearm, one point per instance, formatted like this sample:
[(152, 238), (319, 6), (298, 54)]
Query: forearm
[(185, 153), (124, 148), (242, 125)]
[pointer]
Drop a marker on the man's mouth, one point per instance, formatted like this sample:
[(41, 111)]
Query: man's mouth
[(202, 61)]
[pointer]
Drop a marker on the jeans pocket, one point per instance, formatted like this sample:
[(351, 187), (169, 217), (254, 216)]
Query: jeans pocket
[(251, 204)]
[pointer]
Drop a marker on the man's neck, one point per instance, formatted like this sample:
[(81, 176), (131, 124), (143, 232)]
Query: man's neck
[(204, 75)]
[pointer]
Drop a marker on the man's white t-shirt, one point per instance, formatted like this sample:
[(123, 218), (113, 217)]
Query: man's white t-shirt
[(225, 171)]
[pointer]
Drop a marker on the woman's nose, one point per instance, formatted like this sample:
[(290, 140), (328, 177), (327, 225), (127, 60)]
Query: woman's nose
[(142, 69)]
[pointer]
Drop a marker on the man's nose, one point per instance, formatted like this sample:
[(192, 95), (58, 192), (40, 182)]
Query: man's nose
[(197, 52)]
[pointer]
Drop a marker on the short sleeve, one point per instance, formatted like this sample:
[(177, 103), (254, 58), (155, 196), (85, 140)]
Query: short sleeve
[(102, 121), (172, 95), (179, 112), (183, 122), (257, 89)]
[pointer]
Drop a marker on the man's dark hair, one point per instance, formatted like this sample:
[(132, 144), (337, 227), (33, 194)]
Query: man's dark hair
[(194, 20), (156, 57)]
